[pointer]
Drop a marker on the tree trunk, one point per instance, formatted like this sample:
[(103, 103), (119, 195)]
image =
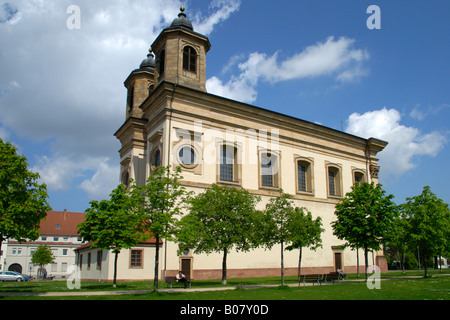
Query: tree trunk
[(116, 254), (155, 279), (300, 263), (357, 262), (224, 267), (282, 263), (425, 263), (366, 260)]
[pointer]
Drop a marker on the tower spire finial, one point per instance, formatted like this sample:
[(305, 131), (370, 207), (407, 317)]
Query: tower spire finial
[(182, 14)]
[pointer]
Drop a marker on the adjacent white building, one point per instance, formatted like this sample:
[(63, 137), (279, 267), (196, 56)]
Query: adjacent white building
[(58, 231)]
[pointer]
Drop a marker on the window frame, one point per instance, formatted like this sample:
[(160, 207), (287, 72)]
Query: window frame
[(362, 176), (308, 164), (274, 158), (336, 169), (237, 165), (190, 59), (141, 259)]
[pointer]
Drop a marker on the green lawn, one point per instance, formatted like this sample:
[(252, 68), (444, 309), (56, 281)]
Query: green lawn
[(435, 288)]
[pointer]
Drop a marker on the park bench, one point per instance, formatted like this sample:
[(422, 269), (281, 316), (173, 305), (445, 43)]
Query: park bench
[(332, 276), (173, 280), (314, 278)]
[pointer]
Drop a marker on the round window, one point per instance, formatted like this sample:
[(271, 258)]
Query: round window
[(187, 156)]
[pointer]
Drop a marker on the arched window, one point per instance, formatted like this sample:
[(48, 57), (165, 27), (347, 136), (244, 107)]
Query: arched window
[(304, 175), (269, 170), (190, 59), (162, 62), (334, 181), (358, 177), (227, 163)]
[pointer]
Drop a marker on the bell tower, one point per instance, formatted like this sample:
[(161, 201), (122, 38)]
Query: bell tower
[(181, 54), (140, 84)]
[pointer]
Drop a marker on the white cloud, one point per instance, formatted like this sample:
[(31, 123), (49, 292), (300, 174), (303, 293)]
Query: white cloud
[(420, 113), (222, 11), (63, 87), (331, 57), (100, 185), (64, 172), (405, 143)]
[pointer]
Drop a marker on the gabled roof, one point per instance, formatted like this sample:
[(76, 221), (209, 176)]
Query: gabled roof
[(61, 223)]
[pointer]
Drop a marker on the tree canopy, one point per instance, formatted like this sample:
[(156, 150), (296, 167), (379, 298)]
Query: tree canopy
[(112, 225), (427, 224), (285, 224), (221, 218), (158, 202), (23, 200), (364, 217)]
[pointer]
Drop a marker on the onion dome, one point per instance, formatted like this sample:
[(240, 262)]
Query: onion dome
[(149, 63), (181, 21)]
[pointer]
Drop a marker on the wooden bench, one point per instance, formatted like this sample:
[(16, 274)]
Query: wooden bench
[(314, 278), (332, 276), (173, 280)]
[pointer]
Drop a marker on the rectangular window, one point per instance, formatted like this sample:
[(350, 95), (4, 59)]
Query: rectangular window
[(136, 259), (89, 261), (227, 164), (332, 182), (64, 267), (65, 251), (301, 177), (266, 172), (99, 259)]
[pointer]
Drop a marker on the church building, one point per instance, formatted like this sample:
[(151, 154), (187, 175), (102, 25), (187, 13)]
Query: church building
[(171, 119)]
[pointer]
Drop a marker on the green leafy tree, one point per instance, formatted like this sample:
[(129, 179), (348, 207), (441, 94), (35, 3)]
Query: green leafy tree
[(159, 201), (427, 225), (398, 245), (364, 218), (290, 226), (221, 219), (112, 225), (42, 256), (306, 233), (23, 201)]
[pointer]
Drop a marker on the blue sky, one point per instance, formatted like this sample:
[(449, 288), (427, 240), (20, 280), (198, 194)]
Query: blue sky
[(62, 95)]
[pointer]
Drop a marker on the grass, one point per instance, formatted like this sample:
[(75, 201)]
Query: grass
[(435, 288)]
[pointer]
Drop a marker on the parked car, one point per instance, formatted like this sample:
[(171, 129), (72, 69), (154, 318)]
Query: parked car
[(11, 276)]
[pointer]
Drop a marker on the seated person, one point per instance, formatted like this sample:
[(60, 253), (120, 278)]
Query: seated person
[(182, 278), (341, 273)]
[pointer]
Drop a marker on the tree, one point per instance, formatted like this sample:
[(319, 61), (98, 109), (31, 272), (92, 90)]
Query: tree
[(364, 218), (42, 256), (306, 233), (220, 219), (427, 224), (286, 224), (159, 202), (23, 201), (112, 225)]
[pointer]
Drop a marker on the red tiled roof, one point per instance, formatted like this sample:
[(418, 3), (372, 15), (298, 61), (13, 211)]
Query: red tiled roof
[(61, 223)]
